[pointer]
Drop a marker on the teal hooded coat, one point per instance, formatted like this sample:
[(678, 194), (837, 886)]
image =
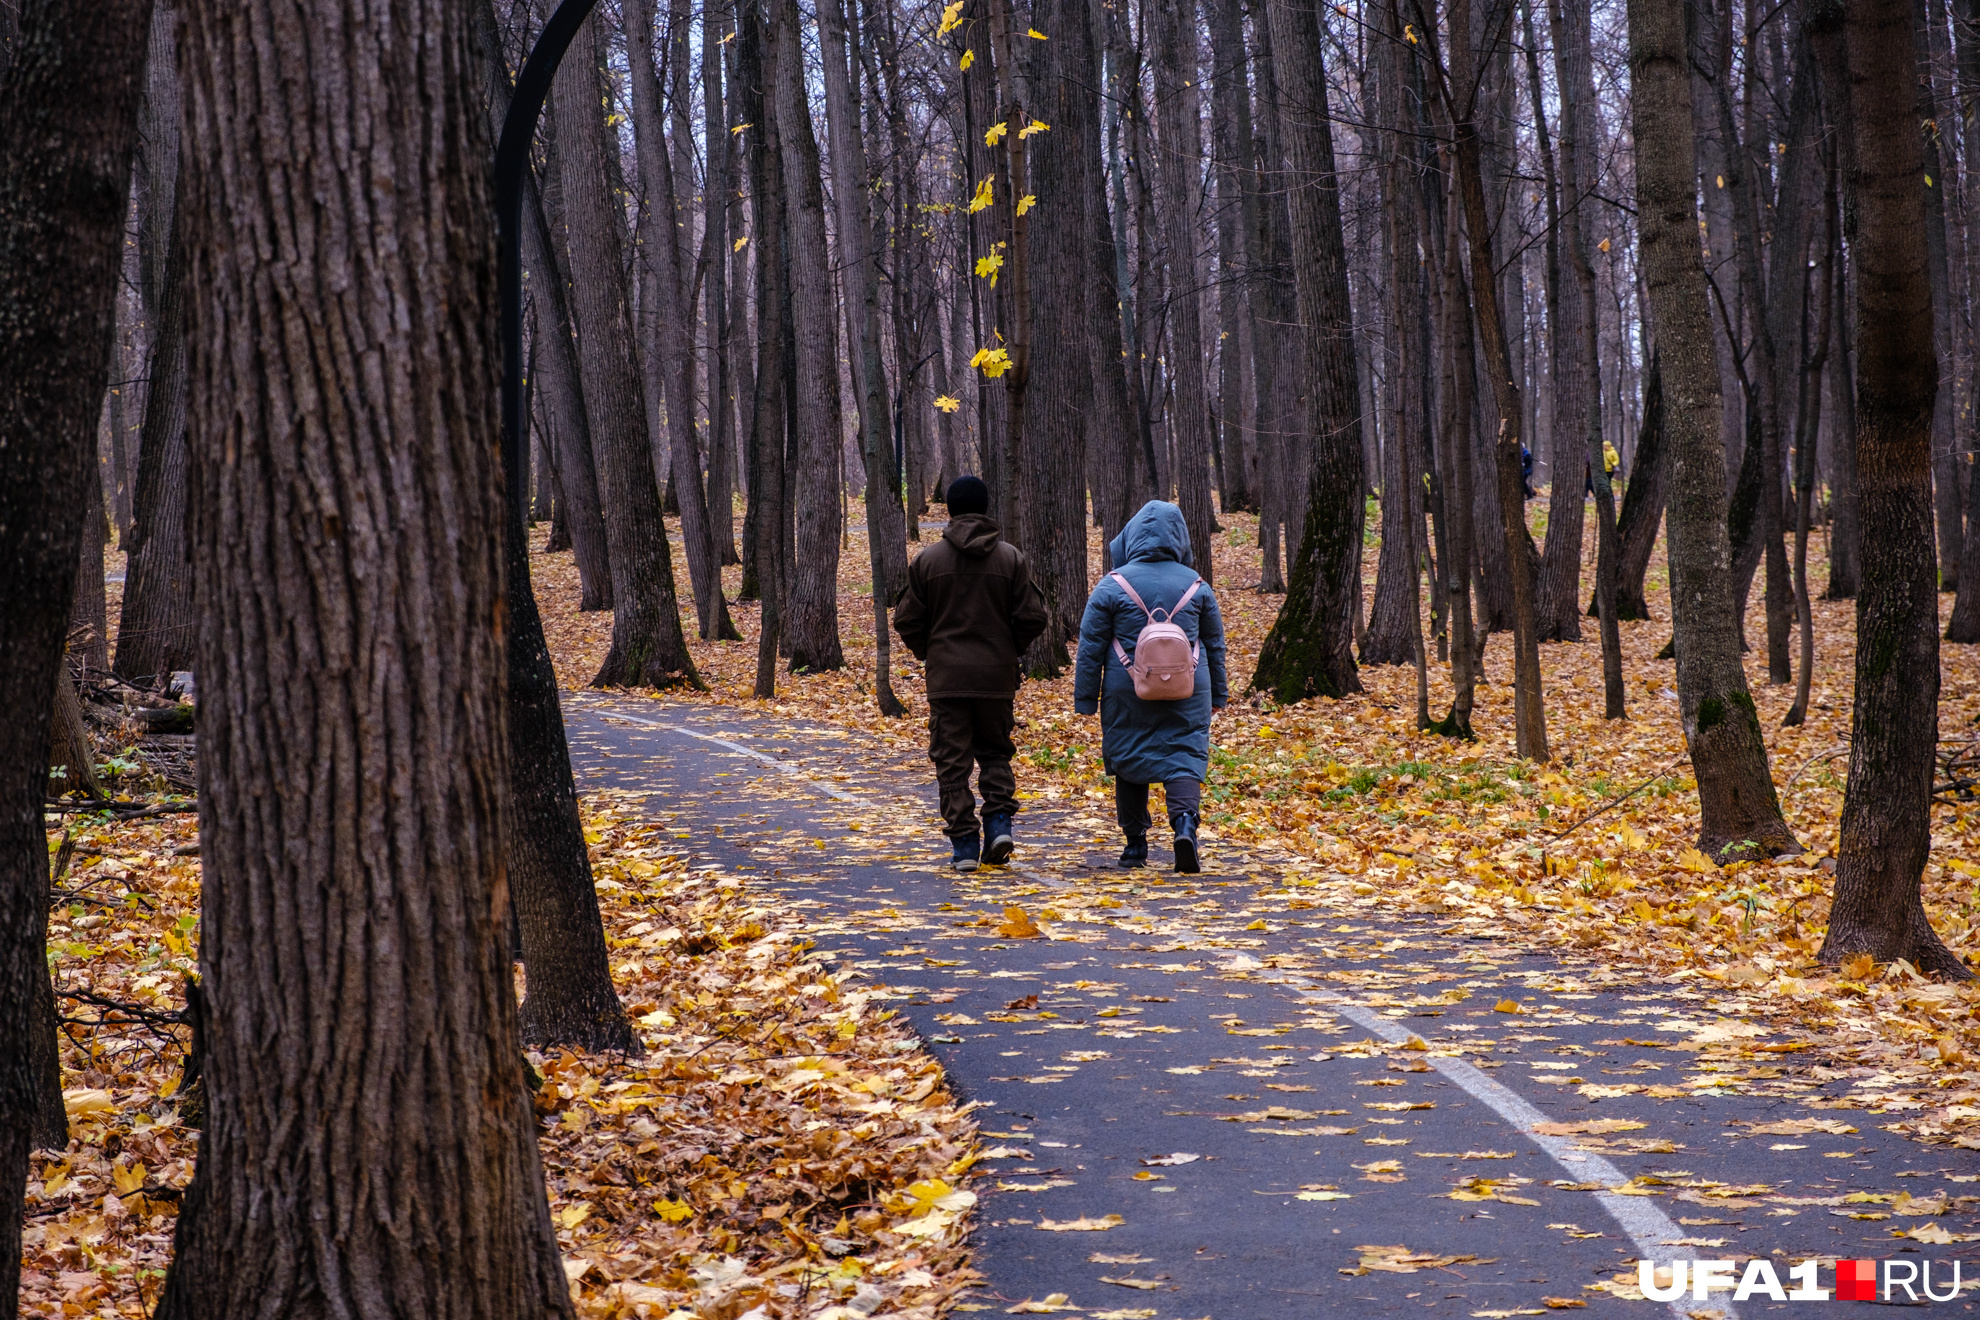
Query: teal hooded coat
[(1150, 742)]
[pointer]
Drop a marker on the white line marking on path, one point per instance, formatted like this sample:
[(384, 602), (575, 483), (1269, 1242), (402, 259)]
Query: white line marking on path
[(789, 768), (1647, 1225)]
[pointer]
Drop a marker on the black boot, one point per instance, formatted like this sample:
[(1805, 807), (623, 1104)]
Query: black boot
[(1187, 861), (1135, 855)]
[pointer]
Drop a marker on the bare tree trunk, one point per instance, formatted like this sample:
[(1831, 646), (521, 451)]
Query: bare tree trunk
[(1529, 711), (1807, 427), (811, 619), (1577, 375), (562, 383), (89, 618), (717, 192), (155, 622), (756, 78), (648, 648), (1230, 138), (1309, 651), (69, 98), (886, 534), (1394, 634), (1887, 809), (352, 676), (1740, 812), (669, 310), (1577, 151), (1643, 502), (571, 999), (1274, 313)]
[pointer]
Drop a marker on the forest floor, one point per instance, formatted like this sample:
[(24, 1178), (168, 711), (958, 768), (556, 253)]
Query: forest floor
[(1345, 820)]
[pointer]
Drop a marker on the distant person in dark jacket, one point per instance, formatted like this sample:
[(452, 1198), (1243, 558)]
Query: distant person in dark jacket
[(1152, 742), (969, 611)]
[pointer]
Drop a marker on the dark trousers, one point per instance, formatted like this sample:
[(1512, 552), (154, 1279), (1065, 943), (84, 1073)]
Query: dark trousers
[(965, 732), (1131, 804)]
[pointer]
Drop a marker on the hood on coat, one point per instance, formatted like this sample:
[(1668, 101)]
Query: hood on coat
[(1156, 533), (972, 534)]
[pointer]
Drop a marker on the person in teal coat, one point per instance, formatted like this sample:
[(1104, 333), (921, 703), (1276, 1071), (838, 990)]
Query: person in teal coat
[(1151, 742)]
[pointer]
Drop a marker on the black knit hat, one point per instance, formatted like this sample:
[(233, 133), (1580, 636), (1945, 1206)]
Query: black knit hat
[(967, 495)]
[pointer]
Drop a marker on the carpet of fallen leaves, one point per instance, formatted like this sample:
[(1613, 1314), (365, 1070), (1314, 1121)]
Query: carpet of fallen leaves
[(1592, 852), (782, 1147)]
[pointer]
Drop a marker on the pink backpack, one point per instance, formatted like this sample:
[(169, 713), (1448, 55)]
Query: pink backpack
[(1164, 664)]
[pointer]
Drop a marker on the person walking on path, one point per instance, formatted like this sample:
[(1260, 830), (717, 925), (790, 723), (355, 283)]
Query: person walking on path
[(969, 611), (1146, 740)]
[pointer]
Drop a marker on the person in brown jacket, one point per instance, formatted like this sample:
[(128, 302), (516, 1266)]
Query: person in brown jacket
[(969, 611)]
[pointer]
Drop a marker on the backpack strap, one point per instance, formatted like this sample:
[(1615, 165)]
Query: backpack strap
[(1167, 615)]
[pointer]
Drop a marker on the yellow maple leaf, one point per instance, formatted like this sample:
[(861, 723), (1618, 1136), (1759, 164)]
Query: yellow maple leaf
[(1693, 860), (951, 18), (1017, 924), (1034, 34), (1026, 202), (740, 242), (948, 403), (1034, 128), (982, 199), (988, 267), (968, 58), (673, 1211), (995, 134)]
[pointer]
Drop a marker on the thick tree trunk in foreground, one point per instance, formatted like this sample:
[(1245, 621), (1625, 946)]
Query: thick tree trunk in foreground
[(1740, 812), (811, 596), (155, 622), (1887, 809), (648, 648), (70, 103), (352, 679), (1310, 650)]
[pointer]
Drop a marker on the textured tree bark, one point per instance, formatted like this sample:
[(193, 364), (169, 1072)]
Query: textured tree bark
[(69, 100), (1064, 315), (1310, 651), (1178, 113), (668, 310), (811, 596), (1887, 808), (648, 648), (155, 624), (352, 680), (1643, 501), (1467, 642), (1114, 454), (886, 535), (1740, 812)]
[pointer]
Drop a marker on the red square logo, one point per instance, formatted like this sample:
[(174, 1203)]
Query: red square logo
[(1856, 1280)]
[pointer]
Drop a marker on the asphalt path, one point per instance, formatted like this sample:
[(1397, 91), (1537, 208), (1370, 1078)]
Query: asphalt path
[(1294, 1110)]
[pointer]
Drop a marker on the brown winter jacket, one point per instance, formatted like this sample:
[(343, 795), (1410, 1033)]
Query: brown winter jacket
[(969, 610)]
